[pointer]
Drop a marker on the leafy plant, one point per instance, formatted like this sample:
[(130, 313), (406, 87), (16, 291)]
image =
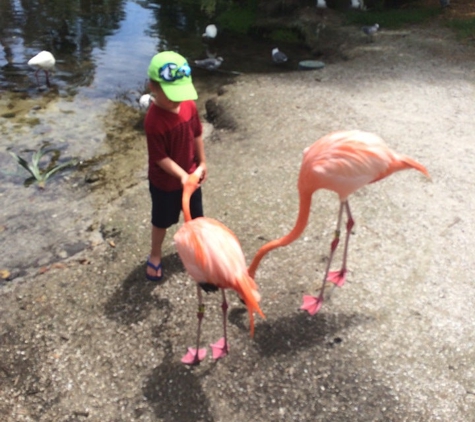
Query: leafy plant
[(38, 174)]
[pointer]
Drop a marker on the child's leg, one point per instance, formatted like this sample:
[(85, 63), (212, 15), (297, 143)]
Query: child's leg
[(166, 208), (158, 235)]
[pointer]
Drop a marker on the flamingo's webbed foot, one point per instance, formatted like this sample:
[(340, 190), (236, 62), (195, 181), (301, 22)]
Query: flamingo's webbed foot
[(337, 277), (193, 356), (220, 348), (312, 304)]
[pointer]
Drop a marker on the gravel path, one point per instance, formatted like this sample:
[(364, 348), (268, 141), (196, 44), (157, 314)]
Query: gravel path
[(91, 340)]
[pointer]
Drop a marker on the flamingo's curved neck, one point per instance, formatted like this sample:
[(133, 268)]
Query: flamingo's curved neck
[(300, 224), (185, 203)]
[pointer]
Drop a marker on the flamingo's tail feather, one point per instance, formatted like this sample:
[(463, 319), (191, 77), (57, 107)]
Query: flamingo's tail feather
[(410, 163), (251, 297), (402, 163)]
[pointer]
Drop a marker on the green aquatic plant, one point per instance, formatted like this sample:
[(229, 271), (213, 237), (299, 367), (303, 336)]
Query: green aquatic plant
[(38, 174)]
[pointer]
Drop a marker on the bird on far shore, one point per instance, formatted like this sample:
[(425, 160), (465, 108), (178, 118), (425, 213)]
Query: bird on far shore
[(213, 257), (321, 7), (211, 63), (370, 31), (278, 56), (210, 32), (42, 61), (145, 101), (343, 162), (321, 4)]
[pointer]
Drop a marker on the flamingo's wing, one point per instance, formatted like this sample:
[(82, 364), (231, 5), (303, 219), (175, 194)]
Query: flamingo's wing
[(345, 161), (210, 252)]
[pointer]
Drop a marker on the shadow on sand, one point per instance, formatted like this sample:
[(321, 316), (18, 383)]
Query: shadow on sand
[(133, 301)]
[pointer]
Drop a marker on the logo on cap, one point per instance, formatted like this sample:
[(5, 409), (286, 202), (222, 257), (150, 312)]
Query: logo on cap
[(170, 72)]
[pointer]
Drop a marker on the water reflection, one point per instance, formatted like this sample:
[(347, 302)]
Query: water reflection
[(114, 36), (105, 44), (68, 28)]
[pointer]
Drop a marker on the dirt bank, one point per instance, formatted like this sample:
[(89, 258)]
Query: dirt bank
[(91, 340)]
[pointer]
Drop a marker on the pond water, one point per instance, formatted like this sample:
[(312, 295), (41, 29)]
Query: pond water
[(102, 51)]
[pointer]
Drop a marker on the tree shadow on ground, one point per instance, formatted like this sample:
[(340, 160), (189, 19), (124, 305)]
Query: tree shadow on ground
[(175, 393), (302, 365), (301, 331), (133, 301), (297, 331)]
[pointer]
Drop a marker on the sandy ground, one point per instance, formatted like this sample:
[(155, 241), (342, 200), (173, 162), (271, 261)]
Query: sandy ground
[(92, 340)]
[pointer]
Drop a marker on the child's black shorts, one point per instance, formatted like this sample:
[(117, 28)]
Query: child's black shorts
[(166, 206)]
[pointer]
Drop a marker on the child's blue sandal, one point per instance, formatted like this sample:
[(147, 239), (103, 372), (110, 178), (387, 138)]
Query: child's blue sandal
[(156, 268)]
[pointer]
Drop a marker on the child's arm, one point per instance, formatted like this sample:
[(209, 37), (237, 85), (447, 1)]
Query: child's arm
[(200, 154), (172, 168)]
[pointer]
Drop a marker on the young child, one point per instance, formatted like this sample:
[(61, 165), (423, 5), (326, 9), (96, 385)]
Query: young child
[(175, 148)]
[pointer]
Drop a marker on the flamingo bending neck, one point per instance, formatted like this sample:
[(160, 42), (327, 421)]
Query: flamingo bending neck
[(188, 189), (299, 227)]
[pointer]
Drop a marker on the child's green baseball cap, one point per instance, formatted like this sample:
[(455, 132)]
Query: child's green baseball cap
[(172, 72)]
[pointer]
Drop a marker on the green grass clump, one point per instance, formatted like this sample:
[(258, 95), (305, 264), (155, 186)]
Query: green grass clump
[(38, 174)]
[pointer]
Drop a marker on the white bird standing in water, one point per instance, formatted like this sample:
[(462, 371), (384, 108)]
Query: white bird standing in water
[(210, 63), (278, 56), (211, 31), (321, 4), (355, 4), (42, 61)]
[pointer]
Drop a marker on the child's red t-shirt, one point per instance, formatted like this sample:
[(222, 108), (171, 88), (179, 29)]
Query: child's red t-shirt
[(171, 135)]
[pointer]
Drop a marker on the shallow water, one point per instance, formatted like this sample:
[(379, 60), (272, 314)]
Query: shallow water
[(102, 52)]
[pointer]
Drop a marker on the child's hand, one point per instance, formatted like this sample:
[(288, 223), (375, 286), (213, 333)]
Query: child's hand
[(200, 172), (204, 172)]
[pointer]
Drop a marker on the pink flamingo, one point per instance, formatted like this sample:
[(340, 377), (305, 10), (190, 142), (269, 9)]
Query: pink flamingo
[(343, 162), (212, 255)]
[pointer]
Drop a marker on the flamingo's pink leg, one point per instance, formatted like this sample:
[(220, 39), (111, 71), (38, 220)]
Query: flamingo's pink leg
[(220, 348), (339, 277), (312, 304), (195, 356)]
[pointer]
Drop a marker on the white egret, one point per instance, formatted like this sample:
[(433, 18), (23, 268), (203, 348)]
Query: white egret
[(321, 4), (42, 61), (211, 31)]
